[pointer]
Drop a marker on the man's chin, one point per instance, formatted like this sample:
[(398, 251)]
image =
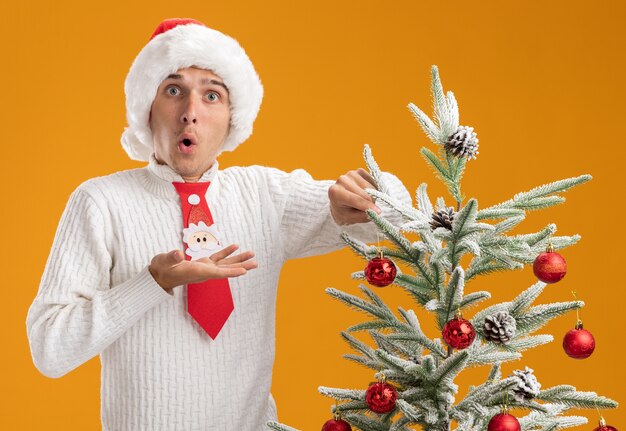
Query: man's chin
[(189, 170)]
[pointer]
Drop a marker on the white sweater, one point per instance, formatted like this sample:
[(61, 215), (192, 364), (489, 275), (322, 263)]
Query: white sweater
[(160, 370)]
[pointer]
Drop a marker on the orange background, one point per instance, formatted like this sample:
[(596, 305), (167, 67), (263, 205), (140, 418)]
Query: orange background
[(540, 81)]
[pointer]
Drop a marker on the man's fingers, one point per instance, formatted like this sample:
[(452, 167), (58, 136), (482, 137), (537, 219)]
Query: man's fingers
[(364, 183), (250, 264), (349, 182), (196, 271), (175, 258), (246, 255), (226, 272), (367, 177), (344, 197), (354, 183), (223, 253)]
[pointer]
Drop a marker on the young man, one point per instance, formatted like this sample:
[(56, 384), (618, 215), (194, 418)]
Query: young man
[(185, 337)]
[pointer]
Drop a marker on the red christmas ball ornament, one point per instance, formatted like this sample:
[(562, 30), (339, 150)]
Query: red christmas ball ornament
[(579, 343), (336, 424), (381, 397), (380, 271), (549, 267), (504, 422), (602, 426), (459, 333)]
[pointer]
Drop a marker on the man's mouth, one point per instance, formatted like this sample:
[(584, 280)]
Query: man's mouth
[(186, 144)]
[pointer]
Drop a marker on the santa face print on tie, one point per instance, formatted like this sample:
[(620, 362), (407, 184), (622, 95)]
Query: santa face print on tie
[(202, 240)]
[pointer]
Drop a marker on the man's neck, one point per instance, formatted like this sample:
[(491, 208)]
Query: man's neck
[(193, 179)]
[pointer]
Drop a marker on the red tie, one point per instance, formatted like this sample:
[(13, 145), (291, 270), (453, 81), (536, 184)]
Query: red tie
[(210, 302)]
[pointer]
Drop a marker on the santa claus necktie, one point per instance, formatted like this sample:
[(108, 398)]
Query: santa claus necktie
[(210, 302)]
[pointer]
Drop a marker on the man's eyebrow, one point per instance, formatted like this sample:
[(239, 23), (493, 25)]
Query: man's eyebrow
[(204, 81)]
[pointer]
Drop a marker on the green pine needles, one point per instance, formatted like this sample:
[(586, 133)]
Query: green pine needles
[(423, 369)]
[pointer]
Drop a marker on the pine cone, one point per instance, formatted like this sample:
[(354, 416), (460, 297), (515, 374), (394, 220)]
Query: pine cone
[(499, 327), (527, 385), (463, 143), (443, 218)]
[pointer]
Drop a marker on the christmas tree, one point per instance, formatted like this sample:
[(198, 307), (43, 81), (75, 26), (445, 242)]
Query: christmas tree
[(416, 373)]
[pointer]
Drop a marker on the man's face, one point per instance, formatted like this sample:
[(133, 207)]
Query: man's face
[(189, 119)]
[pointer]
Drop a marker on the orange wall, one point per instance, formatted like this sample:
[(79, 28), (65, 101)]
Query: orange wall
[(541, 82)]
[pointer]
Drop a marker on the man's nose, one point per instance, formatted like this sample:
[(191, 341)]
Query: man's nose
[(189, 113)]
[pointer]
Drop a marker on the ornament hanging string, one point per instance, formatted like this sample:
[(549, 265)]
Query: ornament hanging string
[(602, 422), (506, 401), (578, 321), (550, 247)]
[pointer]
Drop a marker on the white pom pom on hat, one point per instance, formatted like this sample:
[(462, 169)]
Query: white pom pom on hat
[(178, 43)]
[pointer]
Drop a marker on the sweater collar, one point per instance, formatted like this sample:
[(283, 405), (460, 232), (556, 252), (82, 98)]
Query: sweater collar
[(159, 178)]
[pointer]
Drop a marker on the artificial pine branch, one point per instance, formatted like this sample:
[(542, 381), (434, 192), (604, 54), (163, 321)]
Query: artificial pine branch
[(373, 324), (583, 400), (488, 354), (495, 373), (526, 298), (540, 315), (350, 406), (450, 368), (540, 197), (404, 209), (362, 360), (536, 420), (423, 201), (357, 246), (342, 394), (400, 423), (359, 346), (520, 344), (382, 313), (486, 266), (374, 170), (472, 299), (480, 393), (408, 350), (417, 284), (452, 296), (534, 238), (498, 213), (394, 235)]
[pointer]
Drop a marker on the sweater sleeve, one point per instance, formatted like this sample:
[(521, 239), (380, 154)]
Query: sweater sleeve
[(76, 313), (308, 228)]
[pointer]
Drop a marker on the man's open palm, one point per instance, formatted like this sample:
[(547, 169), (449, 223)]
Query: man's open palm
[(171, 269)]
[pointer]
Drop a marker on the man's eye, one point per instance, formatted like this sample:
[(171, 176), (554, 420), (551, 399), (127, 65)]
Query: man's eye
[(172, 91), (213, 97)]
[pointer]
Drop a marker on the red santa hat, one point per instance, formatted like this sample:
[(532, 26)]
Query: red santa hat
[(178, 43)]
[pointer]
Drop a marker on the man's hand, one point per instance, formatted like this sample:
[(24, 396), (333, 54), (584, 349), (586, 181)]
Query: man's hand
[(348, 200), (171, 269)]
